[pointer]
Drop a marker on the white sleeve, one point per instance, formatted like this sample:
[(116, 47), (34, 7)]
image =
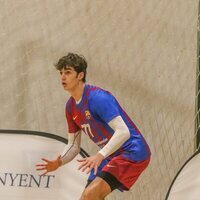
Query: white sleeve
[(72, 148), (121, 135)]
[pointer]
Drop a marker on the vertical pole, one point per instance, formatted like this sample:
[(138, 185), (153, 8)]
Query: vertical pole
[(198, 82)]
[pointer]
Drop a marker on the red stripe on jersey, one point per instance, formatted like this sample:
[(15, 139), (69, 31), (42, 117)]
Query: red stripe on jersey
[(103, 131)]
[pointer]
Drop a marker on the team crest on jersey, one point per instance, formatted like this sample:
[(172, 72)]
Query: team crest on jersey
[(87, 114)]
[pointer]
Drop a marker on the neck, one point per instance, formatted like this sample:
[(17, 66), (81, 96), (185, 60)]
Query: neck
[(77, 92)]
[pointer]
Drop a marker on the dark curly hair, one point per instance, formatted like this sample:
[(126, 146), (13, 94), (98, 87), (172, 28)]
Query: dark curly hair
[(75, 61)]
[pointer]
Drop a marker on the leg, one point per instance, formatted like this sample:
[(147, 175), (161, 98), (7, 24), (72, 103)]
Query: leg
[(96, 190)]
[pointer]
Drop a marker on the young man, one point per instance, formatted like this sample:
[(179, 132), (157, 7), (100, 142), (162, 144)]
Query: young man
[(124, 153)]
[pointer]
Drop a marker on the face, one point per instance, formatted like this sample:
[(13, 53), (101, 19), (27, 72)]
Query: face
[(70, 78)]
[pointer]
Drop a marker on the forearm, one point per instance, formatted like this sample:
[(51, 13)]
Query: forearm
[(120, 136), (72, 148)]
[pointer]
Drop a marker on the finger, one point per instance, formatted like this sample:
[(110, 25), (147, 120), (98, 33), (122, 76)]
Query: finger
[(40, 164), (81, 160), (82, 165), (90, 169), (59, 157), (95, 170), (88, 165), (45, 160), (84, 168), (42, 168), (43, 173)]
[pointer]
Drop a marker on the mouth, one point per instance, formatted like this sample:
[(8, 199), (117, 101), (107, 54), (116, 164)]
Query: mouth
[(64, 84)]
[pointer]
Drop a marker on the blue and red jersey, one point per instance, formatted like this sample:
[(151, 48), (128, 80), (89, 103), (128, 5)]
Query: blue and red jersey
[(92, 115)]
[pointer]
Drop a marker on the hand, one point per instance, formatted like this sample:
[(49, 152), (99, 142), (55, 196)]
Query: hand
[(90, 163), (49, 166)]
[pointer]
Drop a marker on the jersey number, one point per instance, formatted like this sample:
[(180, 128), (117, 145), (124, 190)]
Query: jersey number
[(86, 128)]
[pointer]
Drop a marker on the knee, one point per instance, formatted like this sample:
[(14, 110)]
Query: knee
[(88, 194), (91, 194), (97, 190)]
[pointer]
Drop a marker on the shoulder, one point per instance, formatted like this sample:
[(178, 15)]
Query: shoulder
[(68, 105), (100, 101), (103, 104), (69, 102), (97, 94)]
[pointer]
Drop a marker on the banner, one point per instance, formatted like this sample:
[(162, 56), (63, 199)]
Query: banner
[(19, 179), (186, 184)]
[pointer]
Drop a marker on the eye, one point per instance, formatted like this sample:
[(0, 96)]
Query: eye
[(68, 72)]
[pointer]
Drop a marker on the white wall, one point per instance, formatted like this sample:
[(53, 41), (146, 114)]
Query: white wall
[(144, 52)]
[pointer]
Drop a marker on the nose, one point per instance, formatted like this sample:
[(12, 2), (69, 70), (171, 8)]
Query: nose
[(62, 76)]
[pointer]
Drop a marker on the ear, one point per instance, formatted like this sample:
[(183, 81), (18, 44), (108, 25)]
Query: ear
[(80, 75)]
